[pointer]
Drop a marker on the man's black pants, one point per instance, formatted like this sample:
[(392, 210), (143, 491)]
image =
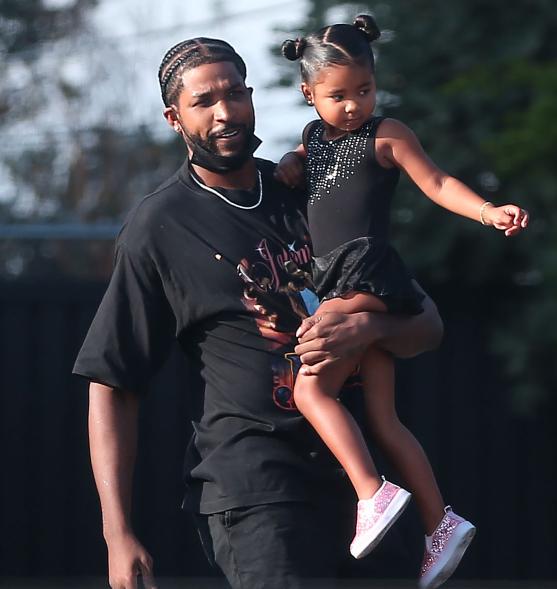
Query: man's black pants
[(286, 545)]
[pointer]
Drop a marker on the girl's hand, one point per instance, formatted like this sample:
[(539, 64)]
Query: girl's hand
[(290, 170), (508, 218)]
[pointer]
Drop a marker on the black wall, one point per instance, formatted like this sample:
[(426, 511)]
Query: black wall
[(494, 466)]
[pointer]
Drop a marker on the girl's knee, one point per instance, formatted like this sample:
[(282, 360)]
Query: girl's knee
[(304, 392), (309, 390)]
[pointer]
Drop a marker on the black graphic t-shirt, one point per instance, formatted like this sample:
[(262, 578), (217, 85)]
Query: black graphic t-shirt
[(230, 284)]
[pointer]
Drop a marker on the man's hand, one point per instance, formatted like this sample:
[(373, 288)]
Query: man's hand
[(127, 559), (327, 337)]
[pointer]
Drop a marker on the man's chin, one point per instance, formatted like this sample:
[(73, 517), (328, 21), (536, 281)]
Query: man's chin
[(232, 153)]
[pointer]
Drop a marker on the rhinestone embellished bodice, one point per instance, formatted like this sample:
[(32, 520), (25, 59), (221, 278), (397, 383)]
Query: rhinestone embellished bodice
[(349, 193)]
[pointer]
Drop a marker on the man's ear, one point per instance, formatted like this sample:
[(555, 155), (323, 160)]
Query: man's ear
[(308, 94), (171, 116)]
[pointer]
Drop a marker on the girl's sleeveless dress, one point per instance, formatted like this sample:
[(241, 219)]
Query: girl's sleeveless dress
[(349, 201)]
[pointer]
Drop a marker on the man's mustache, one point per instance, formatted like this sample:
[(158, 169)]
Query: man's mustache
[(218, 133)]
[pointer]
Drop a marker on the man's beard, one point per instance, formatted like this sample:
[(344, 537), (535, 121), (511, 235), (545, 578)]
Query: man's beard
[(205, 151)]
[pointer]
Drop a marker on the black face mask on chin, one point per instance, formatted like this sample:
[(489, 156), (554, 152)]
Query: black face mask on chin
[(219, 164)]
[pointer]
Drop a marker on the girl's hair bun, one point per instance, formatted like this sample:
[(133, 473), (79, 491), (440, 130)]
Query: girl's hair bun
[(293, 50), (368, 26)]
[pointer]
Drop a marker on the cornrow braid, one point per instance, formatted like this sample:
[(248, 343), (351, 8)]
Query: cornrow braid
[(169, 68), (190, 54), (170, 54)]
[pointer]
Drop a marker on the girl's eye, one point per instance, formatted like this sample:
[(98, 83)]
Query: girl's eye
[(364, 92), (337, 97)]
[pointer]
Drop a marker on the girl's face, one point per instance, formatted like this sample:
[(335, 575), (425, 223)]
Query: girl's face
[(343, 95)]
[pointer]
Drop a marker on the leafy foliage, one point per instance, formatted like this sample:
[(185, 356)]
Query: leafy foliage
[(23, 24), (24, 28), (55, 163)]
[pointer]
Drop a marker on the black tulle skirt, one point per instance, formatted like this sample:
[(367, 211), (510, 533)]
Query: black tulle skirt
[(364, 265)]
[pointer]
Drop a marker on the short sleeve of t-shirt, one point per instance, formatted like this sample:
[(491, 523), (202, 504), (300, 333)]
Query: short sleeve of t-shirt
[(133, 328)]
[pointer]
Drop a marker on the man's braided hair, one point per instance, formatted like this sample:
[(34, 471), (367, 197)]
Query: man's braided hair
[(190, 54)]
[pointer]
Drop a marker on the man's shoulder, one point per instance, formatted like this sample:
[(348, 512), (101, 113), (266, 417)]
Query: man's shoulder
[(266, 167), (286, 197), (160, 199), (151, 211)]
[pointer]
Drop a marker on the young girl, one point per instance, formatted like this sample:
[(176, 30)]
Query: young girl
[(352, 162)]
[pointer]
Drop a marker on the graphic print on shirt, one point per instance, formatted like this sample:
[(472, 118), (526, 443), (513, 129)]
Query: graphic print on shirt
[(273, 282), (285, 371), (278, 292)]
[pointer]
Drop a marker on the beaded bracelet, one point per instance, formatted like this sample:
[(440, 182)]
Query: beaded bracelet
[(486, 203)]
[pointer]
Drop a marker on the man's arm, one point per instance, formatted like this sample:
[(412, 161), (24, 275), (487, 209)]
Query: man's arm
[(338, 335), (113, 416)]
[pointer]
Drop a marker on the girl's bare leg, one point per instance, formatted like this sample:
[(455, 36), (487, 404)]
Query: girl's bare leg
[(399, 444), (316, 398), (396, 441)]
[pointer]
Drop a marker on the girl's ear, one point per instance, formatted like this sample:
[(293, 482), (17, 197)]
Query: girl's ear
[(308, 94)]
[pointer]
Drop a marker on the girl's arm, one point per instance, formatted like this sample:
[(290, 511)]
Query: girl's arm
[(397, 145), (290, 169)]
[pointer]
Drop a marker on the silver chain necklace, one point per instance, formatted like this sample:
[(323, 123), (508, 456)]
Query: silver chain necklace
[(226, 200)]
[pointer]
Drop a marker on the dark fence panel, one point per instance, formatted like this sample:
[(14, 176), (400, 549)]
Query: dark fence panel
[(496, 467)]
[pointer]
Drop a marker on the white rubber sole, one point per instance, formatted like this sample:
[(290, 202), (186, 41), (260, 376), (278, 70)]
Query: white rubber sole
[(369, 540), (450, 557)]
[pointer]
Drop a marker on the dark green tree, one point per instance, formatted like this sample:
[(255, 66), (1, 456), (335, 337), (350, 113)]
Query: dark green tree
[(477, 82)]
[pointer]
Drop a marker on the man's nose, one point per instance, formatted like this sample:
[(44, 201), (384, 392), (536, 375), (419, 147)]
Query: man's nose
[(222, 111)]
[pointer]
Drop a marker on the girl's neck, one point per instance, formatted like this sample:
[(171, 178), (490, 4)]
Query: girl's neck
[(331, 133)]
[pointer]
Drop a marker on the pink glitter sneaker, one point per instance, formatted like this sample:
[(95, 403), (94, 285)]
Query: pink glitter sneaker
[(376, 515), (444, 549)]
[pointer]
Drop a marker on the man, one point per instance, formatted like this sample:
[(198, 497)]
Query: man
[(218, 258)]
